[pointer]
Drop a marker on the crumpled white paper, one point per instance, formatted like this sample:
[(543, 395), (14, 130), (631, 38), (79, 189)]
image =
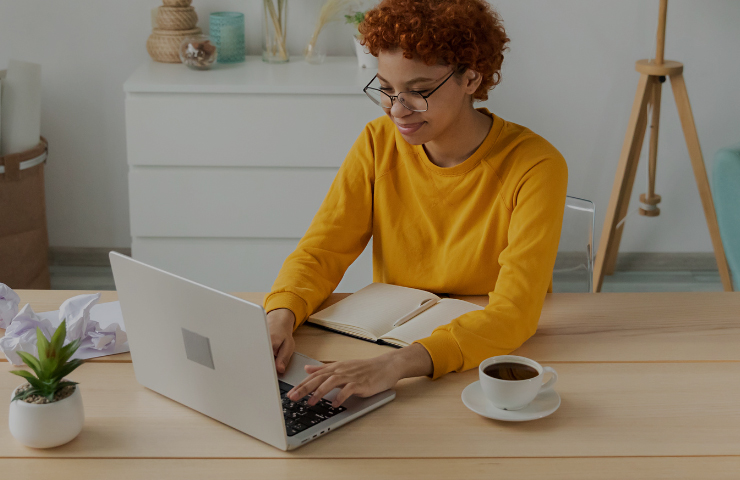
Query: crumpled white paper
[(20, 333), (79, 325), (9, 301)]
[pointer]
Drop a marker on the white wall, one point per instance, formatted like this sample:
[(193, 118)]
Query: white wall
[(569, 76)]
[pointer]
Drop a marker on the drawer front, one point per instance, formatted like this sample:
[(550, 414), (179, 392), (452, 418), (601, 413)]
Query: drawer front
[(244, 129), (225, 202), (235, 265)]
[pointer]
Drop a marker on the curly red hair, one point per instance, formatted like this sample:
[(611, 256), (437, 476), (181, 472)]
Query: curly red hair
[(462, 33)]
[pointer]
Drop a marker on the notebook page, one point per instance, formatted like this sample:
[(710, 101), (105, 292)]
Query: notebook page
[(423, 324), (372, 309)]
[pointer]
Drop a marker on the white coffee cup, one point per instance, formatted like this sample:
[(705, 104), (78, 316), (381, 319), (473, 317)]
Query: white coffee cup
[(514, 394)]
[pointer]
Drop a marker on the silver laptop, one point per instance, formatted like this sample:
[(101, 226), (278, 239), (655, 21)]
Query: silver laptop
[(211, 352)]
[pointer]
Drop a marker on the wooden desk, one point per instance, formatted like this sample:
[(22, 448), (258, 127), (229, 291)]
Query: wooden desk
[(649, 385)]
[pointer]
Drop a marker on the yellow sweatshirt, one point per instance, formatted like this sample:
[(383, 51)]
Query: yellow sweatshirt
[(488, 226)]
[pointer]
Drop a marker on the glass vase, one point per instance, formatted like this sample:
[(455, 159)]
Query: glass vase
[(274, 31), (227, 30)]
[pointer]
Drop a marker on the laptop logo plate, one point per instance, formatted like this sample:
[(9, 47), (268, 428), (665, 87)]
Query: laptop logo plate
[(197, 348)]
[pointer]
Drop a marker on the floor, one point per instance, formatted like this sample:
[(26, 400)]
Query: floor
[(636, 281), (101, 278)]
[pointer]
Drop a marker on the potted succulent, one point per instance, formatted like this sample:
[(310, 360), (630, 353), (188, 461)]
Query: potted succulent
[(47, 410), (364, 58)]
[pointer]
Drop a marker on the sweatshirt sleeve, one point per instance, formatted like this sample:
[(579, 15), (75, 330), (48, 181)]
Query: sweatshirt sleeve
[(514, 307), (338, 233)]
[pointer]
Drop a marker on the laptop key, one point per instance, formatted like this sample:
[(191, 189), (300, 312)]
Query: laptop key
[(320, 409), (299, 427), (310, 421)]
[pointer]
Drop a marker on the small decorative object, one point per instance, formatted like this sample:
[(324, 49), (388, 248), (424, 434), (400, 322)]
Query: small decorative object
[(47, 411), (329, 12), (227, 31), (314, 53), (274, 31), (364, 58), (198, 52), (176, 18), (173, 22)]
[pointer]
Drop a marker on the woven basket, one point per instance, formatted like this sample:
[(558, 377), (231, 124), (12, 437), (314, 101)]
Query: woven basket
[(24, 241), (164, 45), (177, 3), (176, 18)]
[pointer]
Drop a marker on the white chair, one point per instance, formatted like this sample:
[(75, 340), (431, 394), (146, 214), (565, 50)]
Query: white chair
[(574, 265)]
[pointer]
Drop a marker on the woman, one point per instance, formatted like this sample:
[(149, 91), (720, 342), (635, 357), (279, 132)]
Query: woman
[(456, 199)]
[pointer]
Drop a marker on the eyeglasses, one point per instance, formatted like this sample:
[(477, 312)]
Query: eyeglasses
[(414, 101)]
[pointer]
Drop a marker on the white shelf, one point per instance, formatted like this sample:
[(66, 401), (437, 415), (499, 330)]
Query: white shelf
[(336, 76), (228, 166)]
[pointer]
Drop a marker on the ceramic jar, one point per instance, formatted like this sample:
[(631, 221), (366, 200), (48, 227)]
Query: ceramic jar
[(47, 425), (364, 58)]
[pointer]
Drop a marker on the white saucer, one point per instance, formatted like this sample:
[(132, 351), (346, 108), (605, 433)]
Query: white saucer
[(543, 405)]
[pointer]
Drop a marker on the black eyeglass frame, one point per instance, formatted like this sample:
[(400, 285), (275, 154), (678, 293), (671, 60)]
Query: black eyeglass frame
[(393, 97)]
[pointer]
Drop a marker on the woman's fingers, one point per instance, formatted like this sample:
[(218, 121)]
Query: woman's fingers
[(314, 368), (327, 386), (284, 354), (344, 394), (306, 386), (311, 370)]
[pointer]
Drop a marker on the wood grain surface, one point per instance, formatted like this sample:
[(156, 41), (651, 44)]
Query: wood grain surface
[(636, 468), (573, 327), (649, 386), (630, 409)]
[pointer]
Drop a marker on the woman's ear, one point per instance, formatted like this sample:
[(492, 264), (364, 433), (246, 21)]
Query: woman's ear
[(471, 81)]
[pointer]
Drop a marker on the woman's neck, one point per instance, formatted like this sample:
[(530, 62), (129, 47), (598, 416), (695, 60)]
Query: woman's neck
[(461, 140)]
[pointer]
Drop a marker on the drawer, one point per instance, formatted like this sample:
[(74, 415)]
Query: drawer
[(236, 264), (225, 202), (244, 129)]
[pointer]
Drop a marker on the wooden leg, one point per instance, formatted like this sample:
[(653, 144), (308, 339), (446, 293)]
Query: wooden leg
[(623, 180), (654, 129), (610, 262), (700, 173)]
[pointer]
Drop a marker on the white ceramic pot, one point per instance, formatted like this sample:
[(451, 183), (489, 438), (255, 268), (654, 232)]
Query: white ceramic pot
[(364, 58), (47, 425)]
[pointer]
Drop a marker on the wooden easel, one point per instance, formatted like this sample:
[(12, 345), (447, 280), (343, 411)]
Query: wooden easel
[(652, 75)]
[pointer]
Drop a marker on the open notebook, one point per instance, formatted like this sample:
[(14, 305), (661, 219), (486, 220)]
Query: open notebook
[(390, 314)]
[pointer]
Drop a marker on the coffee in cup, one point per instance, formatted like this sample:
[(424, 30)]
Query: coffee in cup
[(511, 382)]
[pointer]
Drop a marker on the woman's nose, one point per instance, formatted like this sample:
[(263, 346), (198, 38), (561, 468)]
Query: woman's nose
[(398, 110)]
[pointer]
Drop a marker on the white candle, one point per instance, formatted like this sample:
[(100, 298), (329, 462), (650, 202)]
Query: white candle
[(21, 113)]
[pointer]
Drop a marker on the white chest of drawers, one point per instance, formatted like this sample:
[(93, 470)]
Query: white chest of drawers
[(227, 167)]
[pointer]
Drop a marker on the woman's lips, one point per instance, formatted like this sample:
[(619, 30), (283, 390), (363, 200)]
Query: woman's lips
[(409, 128)]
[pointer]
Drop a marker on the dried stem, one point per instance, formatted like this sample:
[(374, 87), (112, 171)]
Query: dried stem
[(328, 13), (279, 35)]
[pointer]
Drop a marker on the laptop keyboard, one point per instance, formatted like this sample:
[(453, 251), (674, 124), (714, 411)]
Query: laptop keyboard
[(300, 416)]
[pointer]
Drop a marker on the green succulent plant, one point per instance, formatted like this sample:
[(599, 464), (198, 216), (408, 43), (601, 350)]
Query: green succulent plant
[(51, 366), (356, 18)]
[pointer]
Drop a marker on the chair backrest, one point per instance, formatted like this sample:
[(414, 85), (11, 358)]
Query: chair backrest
[(574, 266), (726, 193)]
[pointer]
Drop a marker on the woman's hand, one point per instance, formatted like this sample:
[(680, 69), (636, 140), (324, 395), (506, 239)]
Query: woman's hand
[(363, 377), (280, 323)]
